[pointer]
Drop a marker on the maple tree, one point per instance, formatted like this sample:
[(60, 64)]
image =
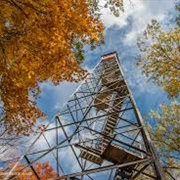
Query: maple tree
[(40, 41), (43, 171)]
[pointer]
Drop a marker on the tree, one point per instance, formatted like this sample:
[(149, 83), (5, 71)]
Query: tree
[(166, 137), (43, 170), (178, 16), (160, 57), (160, 61), (40, 41)]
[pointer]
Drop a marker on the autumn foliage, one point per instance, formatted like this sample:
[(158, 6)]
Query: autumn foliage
[(44, 171), (40, 41)]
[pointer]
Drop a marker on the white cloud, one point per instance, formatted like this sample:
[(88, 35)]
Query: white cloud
[(141, 12)]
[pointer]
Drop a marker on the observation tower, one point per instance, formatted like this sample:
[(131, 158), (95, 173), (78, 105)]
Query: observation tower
[(99, 134)]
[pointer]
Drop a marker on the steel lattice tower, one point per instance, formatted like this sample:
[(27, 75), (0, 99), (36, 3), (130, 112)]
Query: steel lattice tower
[(99, 134)]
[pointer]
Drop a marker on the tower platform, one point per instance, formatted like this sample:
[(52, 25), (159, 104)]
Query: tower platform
[(112, 153)]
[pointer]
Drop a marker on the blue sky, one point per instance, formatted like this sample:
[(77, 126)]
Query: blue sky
[(120, 35)]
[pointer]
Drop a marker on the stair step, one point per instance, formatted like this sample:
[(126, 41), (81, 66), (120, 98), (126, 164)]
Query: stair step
[(110, 125), (107, 131), (105, 142), (91, 157), (112, 119), (107, 127), (111, 122)]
